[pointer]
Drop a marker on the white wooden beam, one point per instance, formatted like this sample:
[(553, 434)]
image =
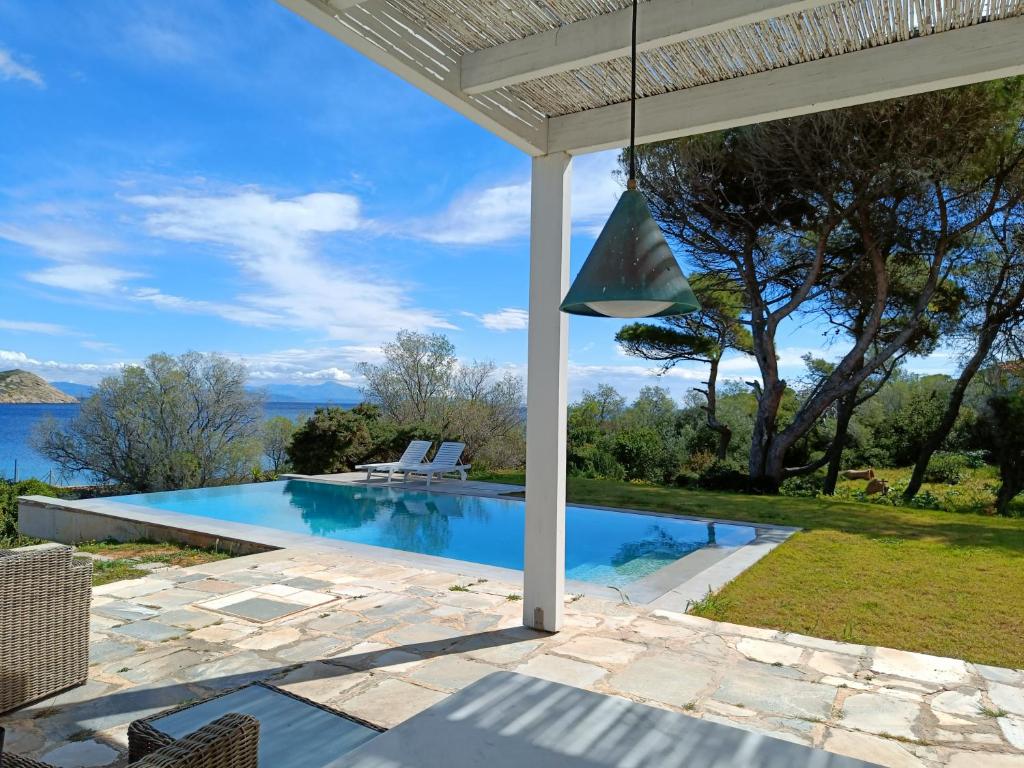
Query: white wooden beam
[(383, 35), (974, 54), (607, 37), (546, 377)]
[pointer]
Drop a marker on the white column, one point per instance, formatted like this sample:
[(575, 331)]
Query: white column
[(548, 362)]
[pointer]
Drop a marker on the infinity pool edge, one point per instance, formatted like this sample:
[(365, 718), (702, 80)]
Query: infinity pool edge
[(672, 587)]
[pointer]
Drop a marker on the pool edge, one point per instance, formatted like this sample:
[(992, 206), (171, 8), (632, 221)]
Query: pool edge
[(672, 587)]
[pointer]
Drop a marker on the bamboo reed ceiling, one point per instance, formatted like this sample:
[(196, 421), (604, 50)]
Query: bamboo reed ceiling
[(459, 27)]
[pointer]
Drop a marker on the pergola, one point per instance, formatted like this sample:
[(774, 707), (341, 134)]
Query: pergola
[(552, 77)]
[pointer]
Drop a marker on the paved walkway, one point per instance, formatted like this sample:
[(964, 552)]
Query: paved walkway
[(383, 641)]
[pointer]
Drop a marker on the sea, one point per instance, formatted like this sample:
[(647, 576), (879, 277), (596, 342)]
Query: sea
[(17, 422)]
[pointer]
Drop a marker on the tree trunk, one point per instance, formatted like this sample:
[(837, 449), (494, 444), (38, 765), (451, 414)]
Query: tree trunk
[(956, 398), (724, 438), (843, 417), (1011, 486), (764, 475), (724, 433)]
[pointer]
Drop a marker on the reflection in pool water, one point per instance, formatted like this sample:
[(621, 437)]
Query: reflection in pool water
[(602, 546)]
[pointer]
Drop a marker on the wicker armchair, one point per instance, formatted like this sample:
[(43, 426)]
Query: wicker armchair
[(231, 741), (44, 623)]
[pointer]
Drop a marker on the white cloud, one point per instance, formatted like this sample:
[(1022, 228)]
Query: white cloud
[(10, 357), (482, 216), (13, 70), (234, 312), (288, 366), (55, 369), (276, 243), (250, 218), (327, 374), (596, 372), (508, 319), (85, 278), (49, 329), (303, 366), (57, 242), (502, 212)]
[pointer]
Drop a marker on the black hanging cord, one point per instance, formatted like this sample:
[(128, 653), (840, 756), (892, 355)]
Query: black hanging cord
[(632, 108)]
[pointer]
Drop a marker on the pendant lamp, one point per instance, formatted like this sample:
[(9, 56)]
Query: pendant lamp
[(631, 271)]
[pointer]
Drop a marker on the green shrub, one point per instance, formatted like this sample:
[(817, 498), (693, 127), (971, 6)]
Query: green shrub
[(807, 486), (336, 440), (973, 459), (640, 452), (687, 479), (699, 462), (724, 476), (9, 493), (948, 468), (927, 500), (594, 461)]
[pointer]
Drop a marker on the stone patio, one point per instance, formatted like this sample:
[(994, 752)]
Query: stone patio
[(383, 641)]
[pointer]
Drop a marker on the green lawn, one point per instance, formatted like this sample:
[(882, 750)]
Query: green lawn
[(937, 582), (976, 492)]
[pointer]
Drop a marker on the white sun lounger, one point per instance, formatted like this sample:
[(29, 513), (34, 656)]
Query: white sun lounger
[(445, 461), (413, 456)]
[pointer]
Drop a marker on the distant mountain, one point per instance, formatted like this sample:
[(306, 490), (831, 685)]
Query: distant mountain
[(326, 392), (81, 391), (19, 386)]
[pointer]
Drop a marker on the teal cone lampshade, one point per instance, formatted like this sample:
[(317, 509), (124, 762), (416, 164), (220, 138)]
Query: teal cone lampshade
[(631, 271)]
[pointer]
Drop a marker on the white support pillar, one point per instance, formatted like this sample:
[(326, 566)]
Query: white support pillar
[(547, 372)]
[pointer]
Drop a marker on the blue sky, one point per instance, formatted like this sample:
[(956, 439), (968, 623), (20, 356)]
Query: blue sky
[(175, 176)]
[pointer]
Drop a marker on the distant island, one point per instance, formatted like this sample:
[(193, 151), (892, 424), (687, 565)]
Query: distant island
[(19, 386)]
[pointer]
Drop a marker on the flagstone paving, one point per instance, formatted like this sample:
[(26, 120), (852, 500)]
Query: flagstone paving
[(384, 641)]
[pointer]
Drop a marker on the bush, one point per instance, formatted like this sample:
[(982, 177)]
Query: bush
[(640, 451), (331, 440), (973, 459), (594, 461), (336, 440), (724, 476), (687, 479), (807, 486), (9, 493), (699, 462), (948, 468)]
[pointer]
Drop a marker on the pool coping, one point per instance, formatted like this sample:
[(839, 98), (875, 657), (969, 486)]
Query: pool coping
[(672, 587)]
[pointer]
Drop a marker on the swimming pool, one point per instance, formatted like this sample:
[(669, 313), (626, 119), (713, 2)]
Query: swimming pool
[(607, 547)]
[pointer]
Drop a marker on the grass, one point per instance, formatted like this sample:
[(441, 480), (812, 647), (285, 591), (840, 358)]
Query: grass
[(990, 712), (126, 557), (976, 492), (935, 582), (108, 571)]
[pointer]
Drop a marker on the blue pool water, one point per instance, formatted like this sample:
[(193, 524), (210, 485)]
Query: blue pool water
[(602, 546)]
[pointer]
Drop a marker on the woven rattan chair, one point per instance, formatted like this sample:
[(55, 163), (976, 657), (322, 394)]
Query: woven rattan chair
[(44, 623), (145, 738), (231, 741)]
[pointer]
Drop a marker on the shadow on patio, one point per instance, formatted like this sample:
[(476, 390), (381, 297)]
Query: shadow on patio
[(98, 713)]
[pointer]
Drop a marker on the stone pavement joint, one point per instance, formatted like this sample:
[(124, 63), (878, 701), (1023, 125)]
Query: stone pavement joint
[(384, 641)]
